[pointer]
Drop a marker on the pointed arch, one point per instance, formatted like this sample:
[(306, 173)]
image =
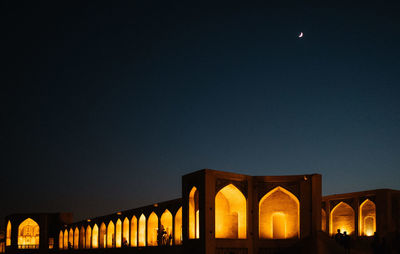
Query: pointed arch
[(110, 235), (125, 232), (152, 227), (367, 218), (118, 233), (8, 234), (28, 234), (65, 239), (279, 215), (88, 237), (103, 235), (194, 214), (342, 217), (323, 220), (95, 237), (142, 230), (166, 224), (178, 227), (71, 238), (82, 238), (230, 213), (76, 238), (134, 235), (61, 240)]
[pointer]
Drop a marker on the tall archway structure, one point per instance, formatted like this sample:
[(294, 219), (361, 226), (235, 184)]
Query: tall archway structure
[(367, 218), (342, 217), (28, 234), (110, 235), (142, 231), (118, 234), (194, 214), (178, 227), (103, 235), (152, 227), (134, 230), (8, 234), (125, 231), (166, 222), (95, 237)]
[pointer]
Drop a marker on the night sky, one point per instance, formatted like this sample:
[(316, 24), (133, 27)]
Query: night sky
[(104, 106)]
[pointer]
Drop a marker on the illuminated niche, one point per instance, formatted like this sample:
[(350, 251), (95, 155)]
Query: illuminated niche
[(166, 222), (118, 232), (71, 238), (367, 223), (88, 237), (323, 220), (125, 231), (142, 230), (76, 238), (82, 238), (60, 240), (152, 228), (110, 234), (8, 234), (134, 231), (178, 227), (103, 235), (230, 213), (28, 234), (279, 215), (194, 227), (65, 239), (342, 217), (95, 237)]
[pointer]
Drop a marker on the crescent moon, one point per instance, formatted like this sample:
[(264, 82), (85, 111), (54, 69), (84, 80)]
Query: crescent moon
[(301, 34)]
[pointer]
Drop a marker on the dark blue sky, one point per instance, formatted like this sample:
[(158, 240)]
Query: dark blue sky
[(106, 105)]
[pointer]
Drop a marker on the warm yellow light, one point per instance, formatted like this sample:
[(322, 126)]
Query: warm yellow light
[(60, 240), (8, 234), (65, 239), (342, 217), (95, 237), (71, 238), (125, 232), (194, 214), (88, 237), (230, 213), (103, 235), (279, 215), (82, 238), (134, 235), (76, 238), (28, 234), (110, 234), (118, 232), (142, 230), (166, 223), (323, 220), (367, 218), (152, 228), (178, 227)]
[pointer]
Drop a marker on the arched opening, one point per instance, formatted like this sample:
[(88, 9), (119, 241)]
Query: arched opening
[(71, 239), (194, 214), (28, 234), (118, 233), (110, 235), (8, 234), (342, 217), (230, 213), (323, 220), (367, 218), (166, 224), (61, 240), (82, 238), (279, 215), (76, 238), (65, 239), (142, 230), (125, 232), (103, 235), (95, 237), (152, 229), (88, 237), (178, 227), (134, 227)]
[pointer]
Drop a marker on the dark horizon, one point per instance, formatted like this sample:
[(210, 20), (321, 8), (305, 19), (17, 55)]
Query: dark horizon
[(106, 105)]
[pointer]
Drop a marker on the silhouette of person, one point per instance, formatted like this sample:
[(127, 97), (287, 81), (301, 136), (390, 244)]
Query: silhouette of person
[(69, 245), (338, 236), (346, 242)]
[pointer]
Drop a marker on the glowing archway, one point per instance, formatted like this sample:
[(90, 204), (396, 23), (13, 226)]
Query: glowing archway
[(88, 237), (194, 213), (76, 238), (142, 230), (71, 238), (230, 213), (367, 221), (152, 229), (95, 237), (342, 217), (28, 234), (125, 232), (103, 235), (166, 223), (110, 235), (323, 220), (65, 239), (279, 215), (8, 234), (60, 240), (134, 227), (118, 233), (82, 238), (178, 227)]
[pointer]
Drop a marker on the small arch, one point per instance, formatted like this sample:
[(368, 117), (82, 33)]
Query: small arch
[(110, 235), (134, 235), (142, 230), (71, 238), (61, 240), (279, 211), (166, 223), (230, 213), (103, 235), (152, 229), (178, 227), (342, 217), (367, 222), (65, 239), (76, 238), (95, 237), (88, 237), (82, 239), (8, 234), (323, 220), (118, 233), (194, 214), (125, 232)]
